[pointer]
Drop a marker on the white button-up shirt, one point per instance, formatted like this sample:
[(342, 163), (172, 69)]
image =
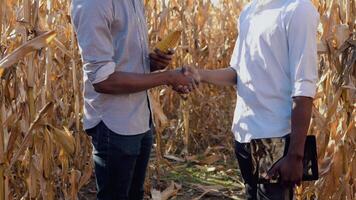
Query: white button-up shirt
[(275, 58)]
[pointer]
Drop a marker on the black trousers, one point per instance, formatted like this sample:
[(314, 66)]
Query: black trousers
[(120, 163), (253, 190)]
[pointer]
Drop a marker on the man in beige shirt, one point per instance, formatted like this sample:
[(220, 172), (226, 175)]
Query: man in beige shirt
[(113, 42)]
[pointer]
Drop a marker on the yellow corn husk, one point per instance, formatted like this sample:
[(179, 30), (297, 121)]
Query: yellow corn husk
[(63, 138), (1, 71), (170, 42)]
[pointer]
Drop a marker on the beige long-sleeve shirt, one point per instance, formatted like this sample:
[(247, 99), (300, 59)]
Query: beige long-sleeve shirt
[(112, 36)]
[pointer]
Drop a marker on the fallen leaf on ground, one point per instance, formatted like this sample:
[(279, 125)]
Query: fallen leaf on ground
[(169, 192)]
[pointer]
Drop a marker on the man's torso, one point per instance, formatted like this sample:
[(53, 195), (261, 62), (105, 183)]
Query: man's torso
[(126, 114), (261, 60)]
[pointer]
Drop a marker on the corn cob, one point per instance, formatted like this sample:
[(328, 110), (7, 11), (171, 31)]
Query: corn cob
[(169, 42)]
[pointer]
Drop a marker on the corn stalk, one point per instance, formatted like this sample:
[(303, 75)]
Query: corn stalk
[(40, 66)]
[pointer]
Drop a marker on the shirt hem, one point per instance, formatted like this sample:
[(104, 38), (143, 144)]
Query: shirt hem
[(259, 137), (123, 133)]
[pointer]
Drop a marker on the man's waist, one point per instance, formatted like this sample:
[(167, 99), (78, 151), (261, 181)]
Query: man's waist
[(125, 129)]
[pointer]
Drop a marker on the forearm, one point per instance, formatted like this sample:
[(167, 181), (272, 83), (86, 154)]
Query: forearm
[(301, 115), (221, 77), (126, 83)]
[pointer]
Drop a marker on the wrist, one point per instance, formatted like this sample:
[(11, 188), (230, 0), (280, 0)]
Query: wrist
[(297, 145), (295, 155), (168, 77), (202, 76)]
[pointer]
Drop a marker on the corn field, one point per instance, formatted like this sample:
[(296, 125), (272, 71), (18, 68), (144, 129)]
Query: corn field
[(45, 154)]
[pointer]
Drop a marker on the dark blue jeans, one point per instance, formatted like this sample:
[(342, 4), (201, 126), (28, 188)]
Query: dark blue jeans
[(253, 190), (120, 163)]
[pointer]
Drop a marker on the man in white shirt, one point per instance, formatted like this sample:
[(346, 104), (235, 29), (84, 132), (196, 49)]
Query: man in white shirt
[(274, 67)]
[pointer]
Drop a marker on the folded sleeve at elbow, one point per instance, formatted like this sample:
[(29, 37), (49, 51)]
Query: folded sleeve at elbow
[(304, 88), (302, 43), (99, 72), (234, 62), (92, 21)]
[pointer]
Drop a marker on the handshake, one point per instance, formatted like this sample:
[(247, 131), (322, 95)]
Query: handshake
[(184, 80)]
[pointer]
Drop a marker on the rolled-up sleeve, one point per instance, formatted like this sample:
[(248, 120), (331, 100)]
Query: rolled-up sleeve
[(234, 62), (302, 46), (92, 20)]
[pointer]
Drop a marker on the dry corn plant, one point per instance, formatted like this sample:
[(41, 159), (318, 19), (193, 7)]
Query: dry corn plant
[(44, 153)]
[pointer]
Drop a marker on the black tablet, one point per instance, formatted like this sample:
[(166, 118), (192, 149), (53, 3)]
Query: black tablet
[(266, 152)]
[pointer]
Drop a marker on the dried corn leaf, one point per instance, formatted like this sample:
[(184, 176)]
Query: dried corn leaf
[(32, 45)]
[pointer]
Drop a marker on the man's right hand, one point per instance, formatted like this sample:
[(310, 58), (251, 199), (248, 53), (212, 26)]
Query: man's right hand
[(193, 72), (181, 82)]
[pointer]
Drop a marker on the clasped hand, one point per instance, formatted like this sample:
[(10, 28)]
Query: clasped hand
[(185, 80)]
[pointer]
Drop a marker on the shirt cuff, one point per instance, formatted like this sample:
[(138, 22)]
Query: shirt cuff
[(104, 72), (305, 89)]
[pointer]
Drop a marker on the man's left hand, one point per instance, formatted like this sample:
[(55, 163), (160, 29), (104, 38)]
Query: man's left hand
[(160, 60), (289, 169)]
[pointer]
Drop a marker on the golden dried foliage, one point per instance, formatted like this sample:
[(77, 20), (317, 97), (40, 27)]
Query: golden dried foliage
[(44, 153)]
